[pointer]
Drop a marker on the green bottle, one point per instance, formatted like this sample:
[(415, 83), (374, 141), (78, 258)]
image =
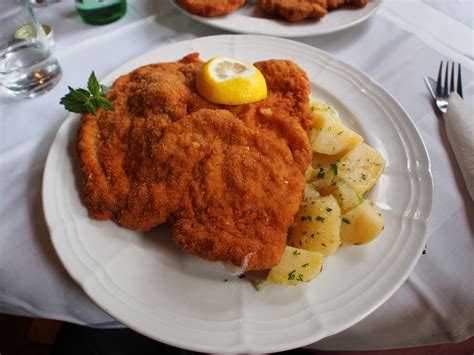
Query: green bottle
[(100, 12)]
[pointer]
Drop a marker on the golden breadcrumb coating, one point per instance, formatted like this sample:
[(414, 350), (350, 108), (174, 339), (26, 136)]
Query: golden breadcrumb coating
[(299, 10), (210, 8), (247, 161)]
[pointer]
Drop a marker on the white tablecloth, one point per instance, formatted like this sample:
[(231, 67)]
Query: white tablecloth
[(402, 42)]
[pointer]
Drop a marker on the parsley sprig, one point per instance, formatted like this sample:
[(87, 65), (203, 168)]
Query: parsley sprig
[(82, 100)]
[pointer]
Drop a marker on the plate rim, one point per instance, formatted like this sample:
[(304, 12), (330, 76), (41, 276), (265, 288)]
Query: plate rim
[(246, 347), (317, 32)]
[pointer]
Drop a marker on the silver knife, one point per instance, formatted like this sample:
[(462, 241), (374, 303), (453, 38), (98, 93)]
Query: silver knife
[(431, 85)]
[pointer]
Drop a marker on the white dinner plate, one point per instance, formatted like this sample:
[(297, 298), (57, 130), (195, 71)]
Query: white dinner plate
[(250, 19), (147, 283)]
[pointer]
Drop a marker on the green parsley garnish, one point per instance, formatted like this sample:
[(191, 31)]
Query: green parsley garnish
[(296, 253), (320, 219), (304, 265), (345, 220), (363, 176), (329, 209), (82, 100), (334, 168), (300, 277), (291, 275), (321, 173)]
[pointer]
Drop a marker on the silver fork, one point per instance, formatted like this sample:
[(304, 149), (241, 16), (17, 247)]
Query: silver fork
[(443, 93)]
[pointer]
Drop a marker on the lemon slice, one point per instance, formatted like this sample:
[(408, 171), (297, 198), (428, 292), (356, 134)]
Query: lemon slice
[(227, 81)]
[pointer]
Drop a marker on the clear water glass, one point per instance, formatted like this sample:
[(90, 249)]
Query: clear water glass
[(27, 67), (43, 2)]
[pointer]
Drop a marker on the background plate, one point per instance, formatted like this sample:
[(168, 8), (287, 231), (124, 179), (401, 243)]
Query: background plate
[(250, 19), (147, 283)]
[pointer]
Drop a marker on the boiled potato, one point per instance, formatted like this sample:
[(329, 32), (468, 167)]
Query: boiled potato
[(321, 178), (320, 107), (324, 160), (329, 136), (345, 195), (362, 224), (361, 167), (317, 226), (310, 193), (296, 266), (321, 171)]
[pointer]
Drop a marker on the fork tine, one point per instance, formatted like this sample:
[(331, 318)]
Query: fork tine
[(438, 82), (459, 88), (451, 89), (446, 81)]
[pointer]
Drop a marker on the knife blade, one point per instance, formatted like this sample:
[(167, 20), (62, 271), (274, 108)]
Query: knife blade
[(431, 85)]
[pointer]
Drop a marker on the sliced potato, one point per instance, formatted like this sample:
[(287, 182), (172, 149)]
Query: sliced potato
[(296, 266), (329, 136), (345, 195), (321, 178), (310, 193), (362, 224), (324, 160), (323, 169), (317, 226), (361, 167), (319, 106), (308, 173)]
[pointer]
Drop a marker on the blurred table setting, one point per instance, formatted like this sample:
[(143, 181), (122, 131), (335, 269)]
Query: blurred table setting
[(400, 44)]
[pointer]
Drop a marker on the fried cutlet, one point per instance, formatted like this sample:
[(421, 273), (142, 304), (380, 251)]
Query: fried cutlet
[(286, 111), (210, 8), (295, 10), (299, 10), (332, 4), (125, 176), (238, 188), (116, 148)]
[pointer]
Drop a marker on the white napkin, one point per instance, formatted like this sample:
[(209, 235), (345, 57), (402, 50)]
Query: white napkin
[(459, 128)]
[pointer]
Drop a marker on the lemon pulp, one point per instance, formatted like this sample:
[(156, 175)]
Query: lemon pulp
[(227, 81)]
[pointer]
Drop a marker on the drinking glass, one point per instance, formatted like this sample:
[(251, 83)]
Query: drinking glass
[(27, 68), (43, 2)]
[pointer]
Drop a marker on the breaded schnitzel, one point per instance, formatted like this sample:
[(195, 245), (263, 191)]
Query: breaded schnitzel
[(116, 148), (299, 10), (286, 110), (295, 10), (135, 172), (239, 189), (332, 4), (210, 8)]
